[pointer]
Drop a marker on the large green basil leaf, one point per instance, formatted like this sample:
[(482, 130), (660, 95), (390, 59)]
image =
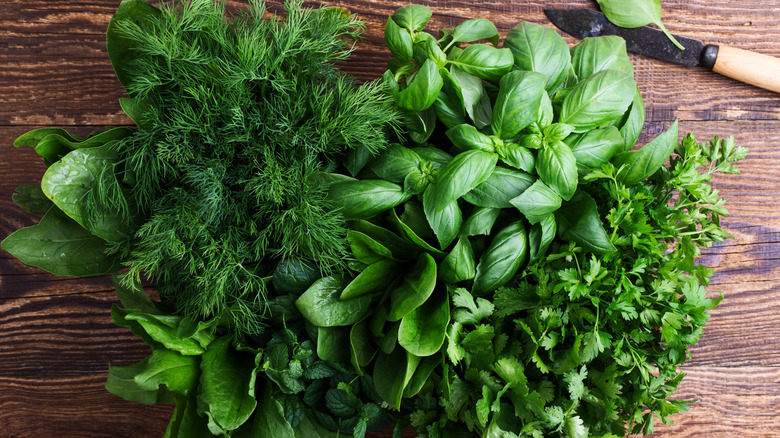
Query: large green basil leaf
[(484, 61), (417, 286), (467, 137), (500, 262), (448, 109), (540, 237), (413, 216), (537, 202), (177, 372), (61, 246), (596, 54), (499, 189), (420, 124), (426, 47), (357, 158), (32, 199), (374, 278), (321, 305), (367, 250), (364, 199), (539, 48), (68, 182), (516, 156), (475, 97), (227, 384), (594, 148), (480, 222), (424, 88), (518, 102), (598, 100), (460, 263), (120, 48), (398, 40), (435, 156), (642, 163), (474, 30), (466, 171), (579, 221), (422, 331), (412, 17), (392, 372), (635, 14), (631, 128), (557, 167), (546, 111), (446, 222)]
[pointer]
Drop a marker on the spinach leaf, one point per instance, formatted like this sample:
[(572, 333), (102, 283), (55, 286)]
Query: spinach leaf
[(392, 373), (460, 264), (596, 54), (518, 102), (177, 372), (540, 49), (269, 419), (537, 202), (635, 14), (599, 99), (361, 346), (321, 305), (374, 278), (579, 221), (32, 199), (635, 166), (557, 167), (120, 47), (417, 286), (331, 342), (499, 263), (367, 250), (422, 331)]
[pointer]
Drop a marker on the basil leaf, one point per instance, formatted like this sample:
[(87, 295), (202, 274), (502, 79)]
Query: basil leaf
[(631, 128), (412, 17), (516, 156), (395, 163), (374, 278), (635, 14), (500, 262), (32, 199), (417, 286), (539, 48), (467, 137), (392, 372), (321, 306), (422, 331), (416, 182), (485, 62), (445, 222), (540, 237), (426, 48), (642, 163), (596, 54), (413, 216), (537, 202), (557, 167), (398, 40), (518, 102), (546, 111), (435, 156), (474, 30), (420, 124), (367, 250), (579, 221), (366, 198), (594, 148), (500, 188), (357, 159), (423, 90), (600, 99), (475, 98), (79, 252), (466, 171), (448, 110), (460, 264), (480, 222)]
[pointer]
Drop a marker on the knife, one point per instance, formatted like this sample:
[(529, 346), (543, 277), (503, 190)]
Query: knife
[(745, 66)]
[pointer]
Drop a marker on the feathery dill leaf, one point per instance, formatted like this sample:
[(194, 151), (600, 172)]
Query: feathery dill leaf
[(239, 110)]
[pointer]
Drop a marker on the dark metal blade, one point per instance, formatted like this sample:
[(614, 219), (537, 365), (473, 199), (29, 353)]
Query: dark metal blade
[(583, 23)]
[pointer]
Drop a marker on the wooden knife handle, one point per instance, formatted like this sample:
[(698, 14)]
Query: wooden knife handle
[(746, 66)]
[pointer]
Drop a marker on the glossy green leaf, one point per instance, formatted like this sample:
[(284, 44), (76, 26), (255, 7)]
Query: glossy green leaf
[(474, 30), (398, 246), (598, 100), (398, 40), (121, 382), (423, 330), (642, 163), (435, 156), (269, 418), (467, 137), (539, 48), (557, 167), (392, 372), (596, 54), (500, 262), (480, 222), (499, 189), (361, 346), (411, 236), (367, 250), (540, 237), (331, 342), (412, 17), (517, 156), (321, 305), (449, 110), (460, 264), (446, 222), (475, 97), (420, 124), (484, 61), (365, 198), (635, 14), (517, 105), (424, 88), (61, 246), (537, 202), (466, 171), (178, 373), (579, 221), (632, 127), (426, 47), (164, 329), (374, 278), (32, 199), (420, 377), (416, 287), (357, 158), (413, 216), (121, 48), (594, 148)]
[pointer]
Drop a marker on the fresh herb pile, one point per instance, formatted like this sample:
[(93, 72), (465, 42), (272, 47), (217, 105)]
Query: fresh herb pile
[(472, 246)]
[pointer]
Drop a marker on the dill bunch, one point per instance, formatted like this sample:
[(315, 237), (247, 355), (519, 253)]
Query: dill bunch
[(236, 111)]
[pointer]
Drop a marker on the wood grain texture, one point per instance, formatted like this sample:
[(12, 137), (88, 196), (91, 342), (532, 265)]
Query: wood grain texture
[(56, 335)]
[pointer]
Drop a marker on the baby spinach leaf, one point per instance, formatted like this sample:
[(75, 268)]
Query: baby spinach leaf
[(269, 419), (500, 262), (642, 163), (480, 222), (294, 276), (596, 54), (557, 167), (635, 14), (518, 102), (177, 372), (32, 199), (59, 245), (599, 99), (466, 171), (423, 90), (365, 198), (398, 40), (594, 148), (418, 284), (407, 232), (392, 372), (540, 237), (460, 264), (120, 46), (164, 329), (321, 305), (579, 221), (331, 342), (412, 17), (422, 331), (540, 49), (483, 61), (537, 202), (474, 30), (367, 250), (500, 188), (361, 346), (420, 377), (413, 216), (446, 222), (374, 278), (399, 247)]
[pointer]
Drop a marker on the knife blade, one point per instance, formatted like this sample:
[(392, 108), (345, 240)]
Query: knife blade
[(745, 66)]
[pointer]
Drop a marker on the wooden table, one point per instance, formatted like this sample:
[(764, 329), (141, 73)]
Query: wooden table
[(56, 336)]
